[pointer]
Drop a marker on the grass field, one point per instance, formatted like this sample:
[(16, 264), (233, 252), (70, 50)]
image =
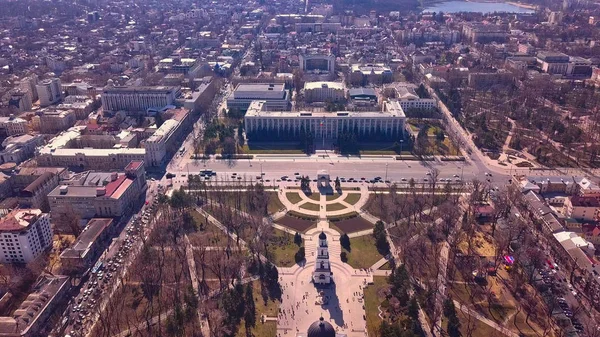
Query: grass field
[(363, 253), (282, 248), (373, 299), (210, 236), (334, 207), (293, 197), (275, 204), (352, 198), (268, 329), (315, 197), (331, 197), (310, 206)]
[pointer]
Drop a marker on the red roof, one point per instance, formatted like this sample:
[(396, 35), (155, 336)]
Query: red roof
[(134, 165), (113, 185)]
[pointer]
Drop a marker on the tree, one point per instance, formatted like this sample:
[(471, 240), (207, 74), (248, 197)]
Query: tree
[(210, 148), (300, 255), (158, 119), (453, 321), (381, 241), (298, 239), (345, 242), (250, 313), (344, 257), (229, 147)]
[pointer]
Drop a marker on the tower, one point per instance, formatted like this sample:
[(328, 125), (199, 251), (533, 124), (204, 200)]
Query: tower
[(322, 273)]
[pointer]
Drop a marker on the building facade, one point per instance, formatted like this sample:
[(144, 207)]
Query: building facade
[(24, 235), (138, 99), (49, 92), (166, 137), (99, 194), (388, 123), (274, 95), (324, 92), (317, 63), (88, 247)]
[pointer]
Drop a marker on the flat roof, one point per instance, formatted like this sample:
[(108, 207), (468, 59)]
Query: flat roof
[(318, 85), (134, 89), (260, 87)]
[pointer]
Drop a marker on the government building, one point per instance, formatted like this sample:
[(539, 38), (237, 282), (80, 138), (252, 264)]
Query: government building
[(388, 123), (138, 99), (274, 96)]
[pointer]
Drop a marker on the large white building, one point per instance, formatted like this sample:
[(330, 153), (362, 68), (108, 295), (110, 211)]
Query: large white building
[(317, 63), (386, 123), (24, 235), (138, 99), (165, 138), (324, 92), (408, 98), (58, 153), (273, 94), (13, 126), (49, 91), (361, 74)]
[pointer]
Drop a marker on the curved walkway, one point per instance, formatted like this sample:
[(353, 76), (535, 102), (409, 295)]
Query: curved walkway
[(322, 213)]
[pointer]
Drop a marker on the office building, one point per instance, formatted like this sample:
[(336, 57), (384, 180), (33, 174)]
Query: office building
[(405, 94), (324, 92), (20, 101), (13, 126), (553, 62), (88, 247), (274, 95), (370, 73), (54, 121), (49, 92), (319, 63), (59, 152), (17, 149), (263, 124), (165, 138), (481, 32), (135, 100), (99, 194), (24, 235)]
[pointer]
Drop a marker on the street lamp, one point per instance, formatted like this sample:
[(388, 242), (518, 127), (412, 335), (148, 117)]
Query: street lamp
[(386, 168), (401, 141), (261, 172)]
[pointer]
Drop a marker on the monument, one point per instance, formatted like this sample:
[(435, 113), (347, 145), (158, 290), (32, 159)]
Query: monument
[(322, 273)]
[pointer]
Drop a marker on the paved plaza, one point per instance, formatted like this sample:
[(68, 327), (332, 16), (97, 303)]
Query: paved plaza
[(302, 300)]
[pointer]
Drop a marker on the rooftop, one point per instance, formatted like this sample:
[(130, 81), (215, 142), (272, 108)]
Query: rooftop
[(95, 227), (318, 85), (19, 219)]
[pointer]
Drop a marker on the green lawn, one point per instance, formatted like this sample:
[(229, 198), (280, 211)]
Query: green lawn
[(334, 207), (293, 197), (315, 196), (352, 198), (275, 204), (310, 206), (386, 266), (373, 299), (209, 236), (268, 329), (330, 197), (282, 248), (363, 253)]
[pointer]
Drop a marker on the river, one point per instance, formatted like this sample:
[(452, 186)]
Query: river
[(481, 7)]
